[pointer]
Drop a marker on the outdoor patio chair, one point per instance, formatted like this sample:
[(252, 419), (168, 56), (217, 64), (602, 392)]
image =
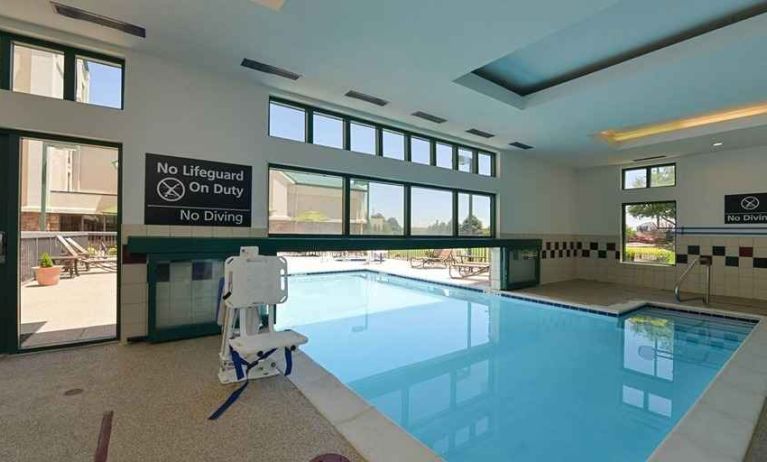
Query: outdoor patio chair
[(438, 258), (104, 262), (468, 265)]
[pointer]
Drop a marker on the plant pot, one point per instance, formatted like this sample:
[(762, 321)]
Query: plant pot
[(47, 276)]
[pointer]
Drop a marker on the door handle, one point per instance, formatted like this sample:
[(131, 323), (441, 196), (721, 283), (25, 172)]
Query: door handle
[(3, 247)]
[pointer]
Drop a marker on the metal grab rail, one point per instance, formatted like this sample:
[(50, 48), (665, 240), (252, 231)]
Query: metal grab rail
[(704, 261)]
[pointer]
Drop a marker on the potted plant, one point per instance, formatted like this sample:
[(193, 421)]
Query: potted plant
[(47, 274)]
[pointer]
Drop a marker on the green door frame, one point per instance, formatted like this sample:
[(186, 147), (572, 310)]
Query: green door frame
[(10, 159)]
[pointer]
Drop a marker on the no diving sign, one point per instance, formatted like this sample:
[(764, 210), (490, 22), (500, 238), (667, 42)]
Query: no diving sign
[(745, 208), (181, 191)]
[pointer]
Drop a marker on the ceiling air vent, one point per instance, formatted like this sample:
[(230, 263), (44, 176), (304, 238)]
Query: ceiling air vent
[(649, 158), (474, 131), (269, 69), (519, 145), (82, 15), (429, 117), (366, 98)]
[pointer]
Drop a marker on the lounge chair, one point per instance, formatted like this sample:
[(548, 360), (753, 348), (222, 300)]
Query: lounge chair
[(438, 258), (75, 249), (468, 265)]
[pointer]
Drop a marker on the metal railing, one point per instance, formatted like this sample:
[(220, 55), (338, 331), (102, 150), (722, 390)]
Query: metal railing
[(33, 244), (705, 262)]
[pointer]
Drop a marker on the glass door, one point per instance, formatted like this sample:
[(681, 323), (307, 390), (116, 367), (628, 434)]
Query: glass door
[(8, 242)]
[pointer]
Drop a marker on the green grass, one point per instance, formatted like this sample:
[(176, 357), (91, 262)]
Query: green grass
[(650, 254)]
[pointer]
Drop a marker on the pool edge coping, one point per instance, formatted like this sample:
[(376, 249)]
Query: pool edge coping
[(686, 439)]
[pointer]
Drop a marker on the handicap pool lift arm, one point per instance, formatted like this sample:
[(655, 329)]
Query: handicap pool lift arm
[(253, 287)]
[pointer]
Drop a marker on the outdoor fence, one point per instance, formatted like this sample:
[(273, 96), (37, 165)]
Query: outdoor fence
[(34, 243)]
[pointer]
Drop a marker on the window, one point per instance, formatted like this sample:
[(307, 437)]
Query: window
[(465, 159), (655, 176), (648, 233), (38, 71), (328, 130), (485, 164), (376, 209), (444, 155), (305, 203), (420, 151), (99, 83), (474, 215), (393, 145), (287, 122), (431, 212), (362, 138)]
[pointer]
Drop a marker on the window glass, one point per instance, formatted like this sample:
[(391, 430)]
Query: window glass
[(393, 145), (328, 130), (474, 211), (363, 138), (444, 155), (99, 83), (431, 212), (287, 122), (465, 157), (376, 208), (484, 164), (305, 203), (420, 150), (664, 175), (635, 178), (648, 233), (38, 71)]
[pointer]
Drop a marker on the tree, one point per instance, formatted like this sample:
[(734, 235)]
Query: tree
[(663, 213), (471, 226), (440, 228)]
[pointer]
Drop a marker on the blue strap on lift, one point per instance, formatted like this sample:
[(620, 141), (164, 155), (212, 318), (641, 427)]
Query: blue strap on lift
[(239, 363)]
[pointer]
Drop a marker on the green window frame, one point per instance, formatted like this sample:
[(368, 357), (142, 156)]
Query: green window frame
[(407, 234), (71, 55), (348, 121)]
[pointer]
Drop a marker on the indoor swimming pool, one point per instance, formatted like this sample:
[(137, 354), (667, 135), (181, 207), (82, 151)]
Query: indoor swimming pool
[(477, 377)]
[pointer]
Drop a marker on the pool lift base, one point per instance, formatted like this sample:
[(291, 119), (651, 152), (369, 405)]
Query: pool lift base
[(253, 287)]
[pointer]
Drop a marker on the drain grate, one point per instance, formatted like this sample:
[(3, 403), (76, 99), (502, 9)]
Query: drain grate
[(330, 458), (73, 392)]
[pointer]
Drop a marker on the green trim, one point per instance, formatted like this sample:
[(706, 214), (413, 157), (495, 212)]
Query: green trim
[(308, 120), (6, 57)]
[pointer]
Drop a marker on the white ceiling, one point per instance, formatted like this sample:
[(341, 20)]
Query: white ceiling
[(410, 52)]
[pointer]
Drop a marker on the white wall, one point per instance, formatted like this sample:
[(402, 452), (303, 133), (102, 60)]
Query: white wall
[(702, 182), (174, 110)]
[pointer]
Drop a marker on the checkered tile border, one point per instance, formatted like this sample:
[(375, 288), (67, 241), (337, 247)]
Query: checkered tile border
[(579, 249), (733, 256)]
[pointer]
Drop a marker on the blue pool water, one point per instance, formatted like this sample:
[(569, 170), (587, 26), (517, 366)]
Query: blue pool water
[(480, 377)]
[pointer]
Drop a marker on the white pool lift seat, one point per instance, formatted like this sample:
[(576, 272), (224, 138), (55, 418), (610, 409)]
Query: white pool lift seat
[(253, 287)]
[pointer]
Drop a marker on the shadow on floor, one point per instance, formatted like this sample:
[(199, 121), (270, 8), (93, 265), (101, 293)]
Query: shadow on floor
[(30, 338)]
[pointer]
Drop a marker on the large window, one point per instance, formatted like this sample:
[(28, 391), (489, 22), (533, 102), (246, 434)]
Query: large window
[(305, 203), (648, 233), (287, 122), (431, 212), (300, 122), (328, 130), (42, 68), (474, 214), (376, 209), (655, 176), (319, 203)]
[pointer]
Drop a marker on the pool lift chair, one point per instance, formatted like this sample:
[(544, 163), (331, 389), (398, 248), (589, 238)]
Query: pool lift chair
[(253, 286)]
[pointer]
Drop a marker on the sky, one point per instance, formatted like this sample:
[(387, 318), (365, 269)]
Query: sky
[(105, 85)]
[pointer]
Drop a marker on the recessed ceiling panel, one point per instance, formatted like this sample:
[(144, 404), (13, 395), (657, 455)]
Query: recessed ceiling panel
[(624, 31)]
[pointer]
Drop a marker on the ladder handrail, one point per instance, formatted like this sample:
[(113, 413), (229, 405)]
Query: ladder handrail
[(678, 286)]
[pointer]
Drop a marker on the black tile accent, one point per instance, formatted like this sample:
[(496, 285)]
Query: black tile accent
[(593, 246), (572, 244), (567, 253), (611, 246), (760, 262), (543, 254), (561, 253), (585, 253), (719, 250), (617, 254), (202, 270), (681, 259), (556, 245), (603, 254), (163, 272), (746, 252), (693, 250), (732, 261), (548, 246), (579, 245), (131, 258)]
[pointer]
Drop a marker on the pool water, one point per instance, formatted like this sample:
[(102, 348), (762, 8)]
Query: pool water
[(480, 377)]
